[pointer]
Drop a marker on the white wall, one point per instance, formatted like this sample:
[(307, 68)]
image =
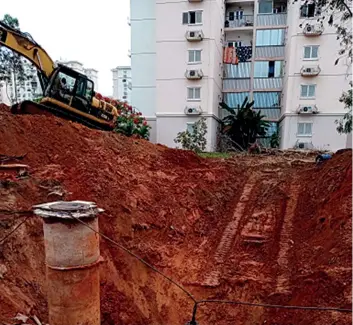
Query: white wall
[(324, 134), (143, 56), (172, 63), (330, 84), (169, 126)]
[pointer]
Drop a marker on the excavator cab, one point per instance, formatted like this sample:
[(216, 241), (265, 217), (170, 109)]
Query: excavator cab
[(70, 88)]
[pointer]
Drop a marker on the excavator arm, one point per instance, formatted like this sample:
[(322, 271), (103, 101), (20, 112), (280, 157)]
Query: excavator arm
[(26, 46)]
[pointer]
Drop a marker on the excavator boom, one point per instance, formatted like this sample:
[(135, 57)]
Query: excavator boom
[(26, 46)]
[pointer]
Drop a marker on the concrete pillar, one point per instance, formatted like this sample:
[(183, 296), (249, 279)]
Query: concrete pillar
[(72, 256)]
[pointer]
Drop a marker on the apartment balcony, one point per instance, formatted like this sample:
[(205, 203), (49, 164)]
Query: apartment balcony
[(273, 84), (236, 85), (269, 52), (245, 22), (265, 20)]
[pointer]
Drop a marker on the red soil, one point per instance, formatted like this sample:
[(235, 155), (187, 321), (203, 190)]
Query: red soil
[(259, 229)]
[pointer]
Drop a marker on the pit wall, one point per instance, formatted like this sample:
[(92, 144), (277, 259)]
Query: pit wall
[(324, 134)]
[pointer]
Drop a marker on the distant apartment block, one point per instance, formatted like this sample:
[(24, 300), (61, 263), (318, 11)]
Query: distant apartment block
[(187, 56), (17, 90), (122, 83)]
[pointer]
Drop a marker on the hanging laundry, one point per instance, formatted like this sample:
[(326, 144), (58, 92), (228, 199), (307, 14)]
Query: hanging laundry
[(228, 55), (244, 53), (235, 59)]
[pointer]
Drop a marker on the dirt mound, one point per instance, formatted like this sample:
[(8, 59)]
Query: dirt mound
[(274, 231)]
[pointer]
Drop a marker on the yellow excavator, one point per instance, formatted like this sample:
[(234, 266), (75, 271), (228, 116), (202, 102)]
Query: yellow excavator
[(66, 92)]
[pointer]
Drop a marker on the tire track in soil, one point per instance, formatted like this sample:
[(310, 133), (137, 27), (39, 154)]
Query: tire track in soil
[(228, 236), (283, 279)]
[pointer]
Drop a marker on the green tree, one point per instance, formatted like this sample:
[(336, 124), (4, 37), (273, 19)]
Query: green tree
[(195, 140), (14, 69), (345, 124), (243, 125)]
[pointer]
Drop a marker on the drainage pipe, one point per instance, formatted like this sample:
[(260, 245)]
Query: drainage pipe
[(72, 256)]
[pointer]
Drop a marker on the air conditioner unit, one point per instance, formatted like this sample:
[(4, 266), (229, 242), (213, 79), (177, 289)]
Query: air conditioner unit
[(193, 110), (306, 109), (310, 71), (194, 35), (193, 74), (304, 145), (313, 30)]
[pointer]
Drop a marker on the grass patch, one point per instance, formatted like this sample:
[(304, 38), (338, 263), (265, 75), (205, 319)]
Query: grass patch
[(219, 155)]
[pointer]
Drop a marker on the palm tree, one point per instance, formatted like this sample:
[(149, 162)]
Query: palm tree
[(243, 125)]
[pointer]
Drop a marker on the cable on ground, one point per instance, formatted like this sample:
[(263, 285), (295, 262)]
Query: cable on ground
[(139, 259), (207, 301), (13, 230)]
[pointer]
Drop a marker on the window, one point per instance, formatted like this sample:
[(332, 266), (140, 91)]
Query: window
[(307, 91), (239, 14), (311, 52), (194, 56), (267, 37), (192, 17), (190, 127), (309, 10), (305, 129), (268, 69), (194, 93), (265, 7), (124, 80)]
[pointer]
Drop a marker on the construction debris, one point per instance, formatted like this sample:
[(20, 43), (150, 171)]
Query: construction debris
[(271, 228)]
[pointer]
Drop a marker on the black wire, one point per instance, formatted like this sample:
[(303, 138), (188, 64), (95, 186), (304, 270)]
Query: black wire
[(254, 304), (199, 302), (13, 230), (138, 258)]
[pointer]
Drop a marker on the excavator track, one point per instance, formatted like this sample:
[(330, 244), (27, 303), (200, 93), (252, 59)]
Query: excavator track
[(33, 108)]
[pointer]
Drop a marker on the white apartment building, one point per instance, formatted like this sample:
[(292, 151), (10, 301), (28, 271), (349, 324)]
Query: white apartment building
[(284, 62), (17, 91), (92, 74), (122, 83)]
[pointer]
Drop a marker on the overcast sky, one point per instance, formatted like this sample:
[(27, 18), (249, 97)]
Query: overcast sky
[(95, 33)]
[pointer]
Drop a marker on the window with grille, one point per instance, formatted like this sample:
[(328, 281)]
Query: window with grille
[(311, 52), (194, 93), (307, 91), (194, 56), (304, 129)]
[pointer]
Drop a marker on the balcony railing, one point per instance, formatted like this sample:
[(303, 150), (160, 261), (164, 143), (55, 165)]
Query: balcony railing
[(271, 113), (244, 21), (236, 84), (272, 51), (242, 70), (272, 19), (268, 83)]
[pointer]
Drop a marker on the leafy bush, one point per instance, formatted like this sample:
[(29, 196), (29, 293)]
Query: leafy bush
[(129, 121), (195, 140)]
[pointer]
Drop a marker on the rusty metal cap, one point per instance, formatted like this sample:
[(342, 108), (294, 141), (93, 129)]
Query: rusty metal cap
[(67, 209)]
